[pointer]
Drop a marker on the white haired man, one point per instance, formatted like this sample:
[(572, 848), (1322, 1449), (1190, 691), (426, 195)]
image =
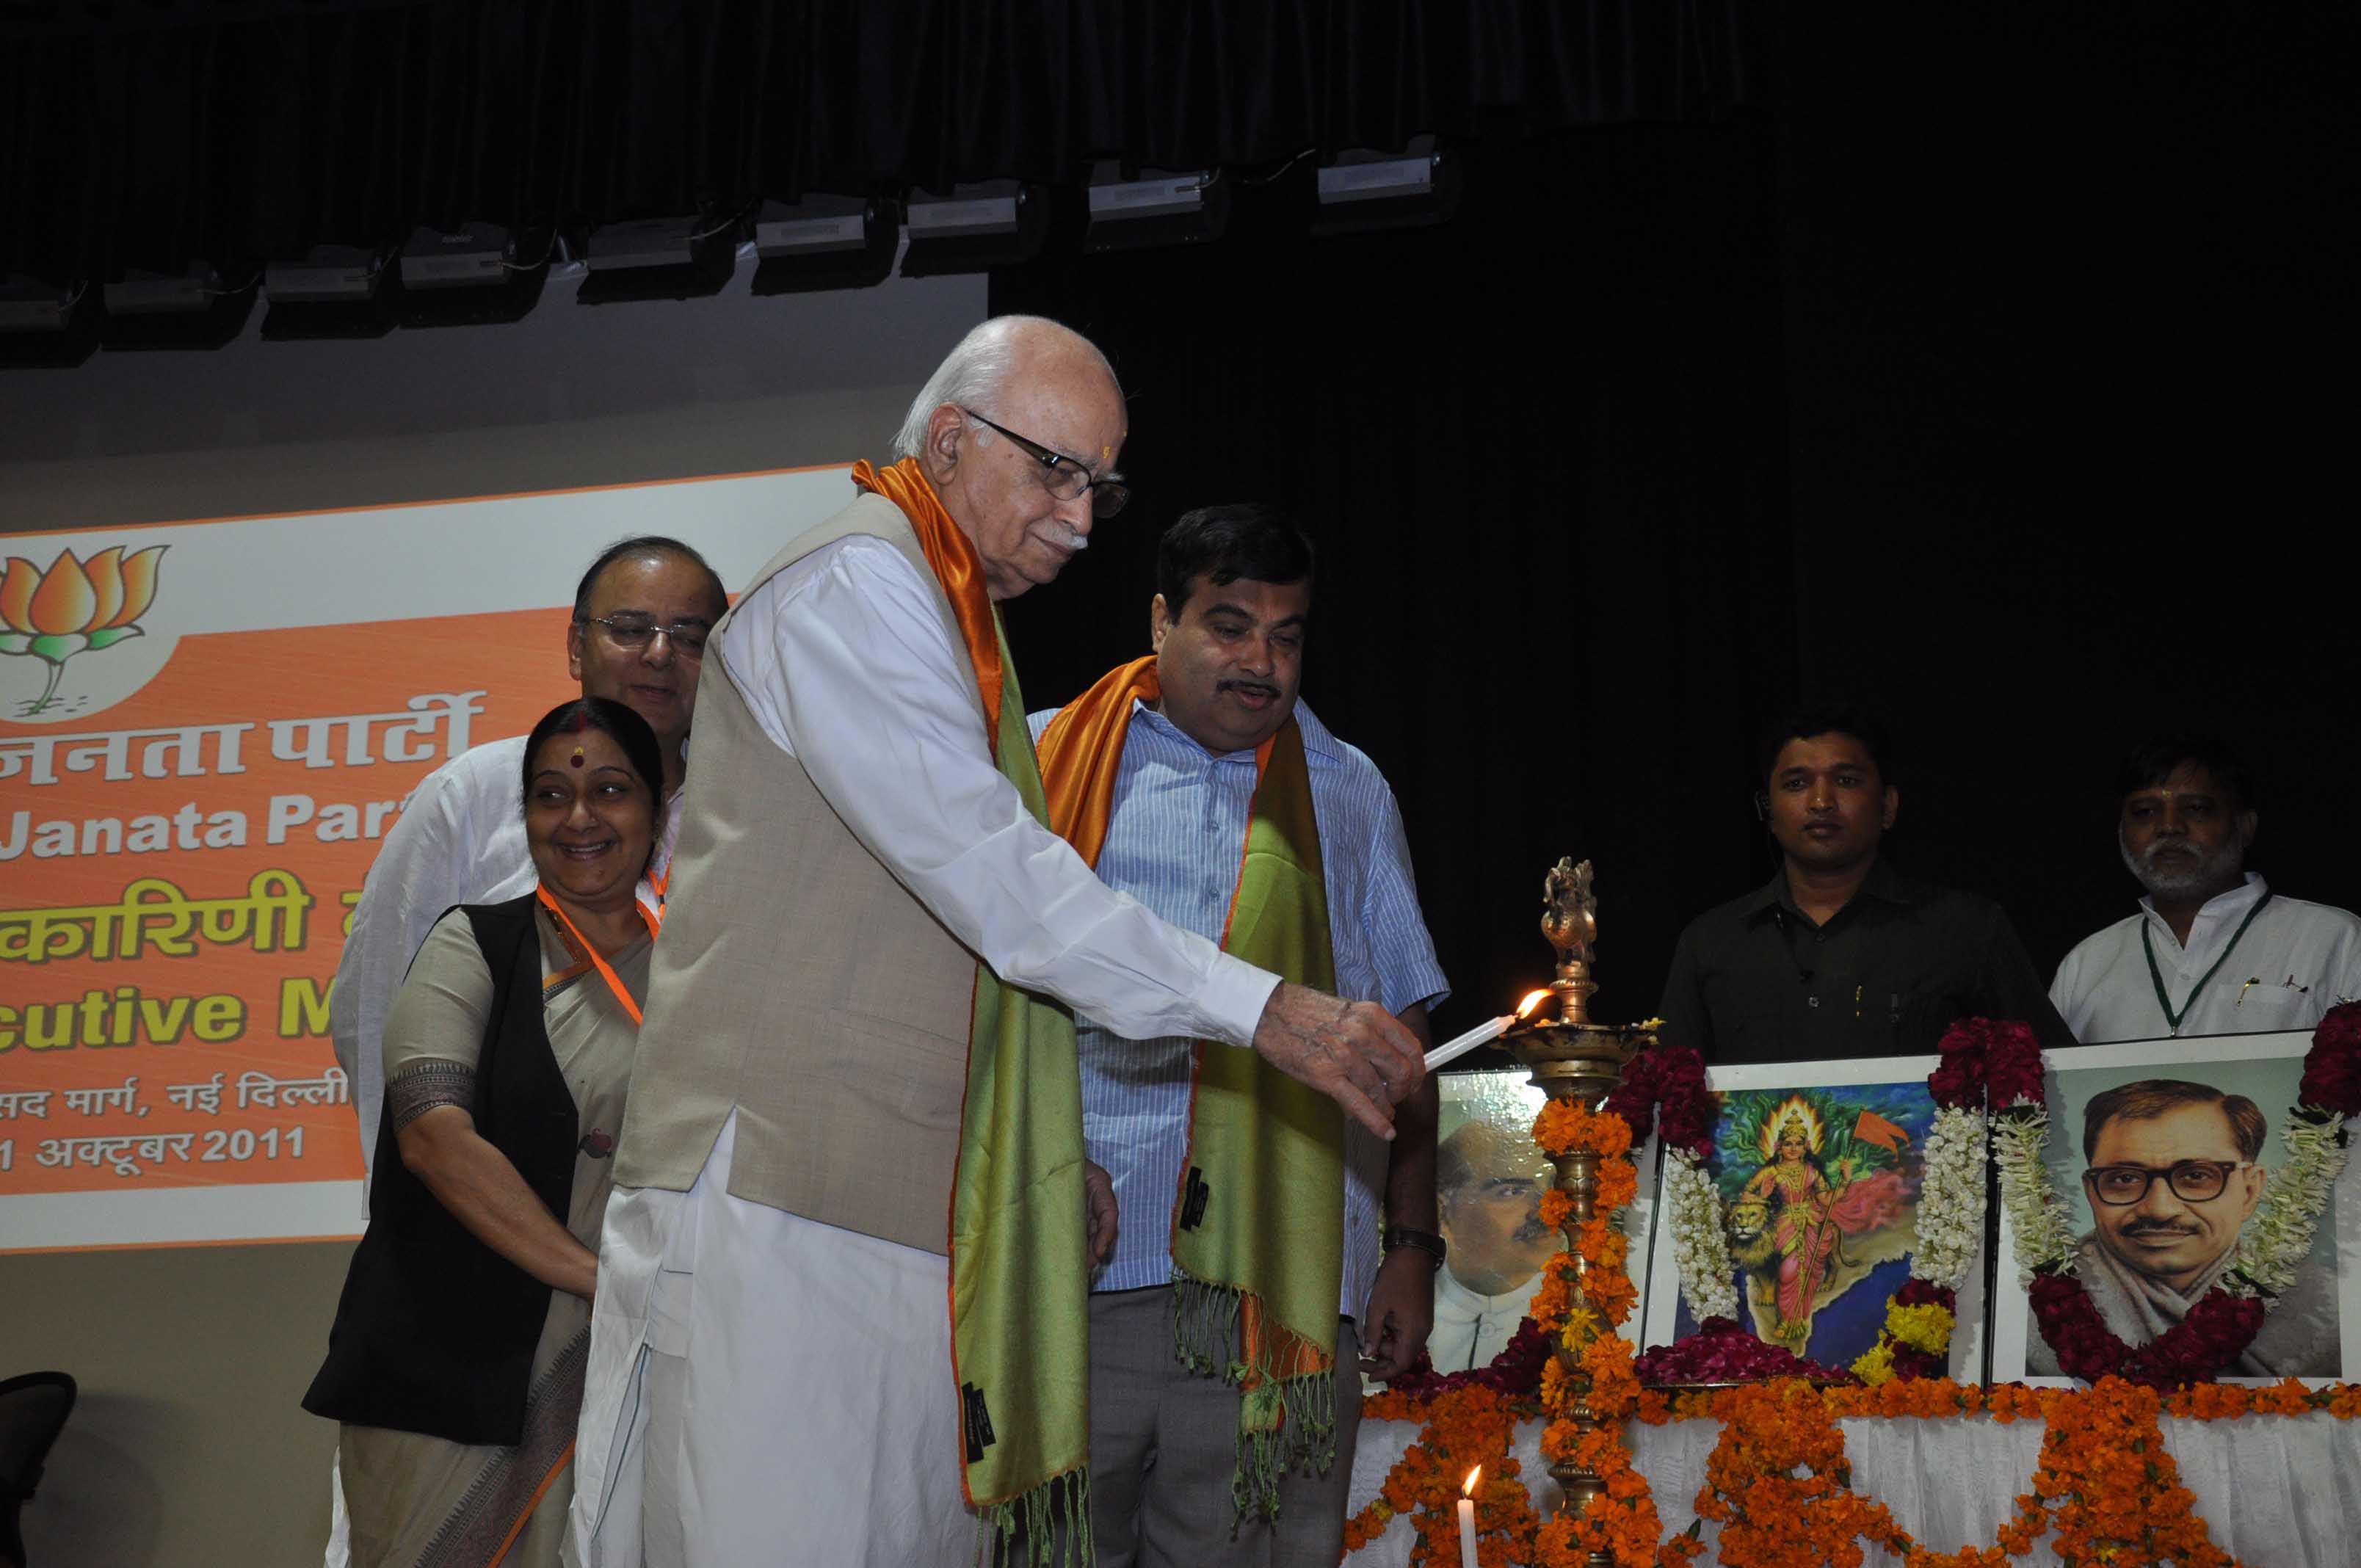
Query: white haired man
[(848, 1036), (2213, 951)]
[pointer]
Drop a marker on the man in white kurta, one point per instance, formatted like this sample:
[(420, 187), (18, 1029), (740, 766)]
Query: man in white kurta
[(460, 839), (2212, 949), (764, 1387)]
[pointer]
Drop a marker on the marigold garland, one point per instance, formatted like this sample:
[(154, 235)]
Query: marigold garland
[(2105, 1483), (1778, 1481)]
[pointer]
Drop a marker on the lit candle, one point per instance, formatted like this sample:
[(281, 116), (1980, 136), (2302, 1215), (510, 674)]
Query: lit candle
[(1483, 1034), (1467, 1509)]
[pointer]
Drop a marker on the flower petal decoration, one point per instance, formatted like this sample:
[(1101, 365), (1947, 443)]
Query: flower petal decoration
[(105, 571), (63, 603), (138, 588), (16, 595)]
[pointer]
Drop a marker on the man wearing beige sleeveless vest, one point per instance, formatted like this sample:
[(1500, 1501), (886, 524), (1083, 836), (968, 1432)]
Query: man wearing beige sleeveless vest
[(770, 1376)]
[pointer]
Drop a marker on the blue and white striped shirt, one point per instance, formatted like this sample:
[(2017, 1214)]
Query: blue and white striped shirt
[(1177, 830)]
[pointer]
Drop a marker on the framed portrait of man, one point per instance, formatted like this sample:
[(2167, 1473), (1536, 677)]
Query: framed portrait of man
[(2163, 1151), (1489, 1176), (1821, 1167)]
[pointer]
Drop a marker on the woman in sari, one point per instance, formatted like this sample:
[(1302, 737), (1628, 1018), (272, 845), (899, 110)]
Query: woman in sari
[(1810, 1215), (457, 1360)]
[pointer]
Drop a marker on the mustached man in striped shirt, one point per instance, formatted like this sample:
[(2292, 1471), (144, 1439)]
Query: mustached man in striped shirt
[(1196, 781)]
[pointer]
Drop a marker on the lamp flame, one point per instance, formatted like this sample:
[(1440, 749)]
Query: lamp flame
[(1469, 1488), (1532, 999)]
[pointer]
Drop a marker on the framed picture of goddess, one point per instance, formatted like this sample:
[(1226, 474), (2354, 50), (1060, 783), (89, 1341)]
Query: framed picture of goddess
[(1820, 1169), (2166, 1154)]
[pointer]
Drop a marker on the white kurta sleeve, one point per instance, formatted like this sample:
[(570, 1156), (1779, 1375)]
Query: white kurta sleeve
[(424, 857), (848, 666)]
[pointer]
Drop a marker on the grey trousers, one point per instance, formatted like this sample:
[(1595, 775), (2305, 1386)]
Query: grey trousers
[(1164, 1448)]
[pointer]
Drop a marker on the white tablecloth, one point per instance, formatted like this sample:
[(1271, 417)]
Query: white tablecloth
[(2276, 1491)]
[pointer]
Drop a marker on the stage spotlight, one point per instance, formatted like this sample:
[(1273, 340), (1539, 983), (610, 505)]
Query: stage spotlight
[(824, 242), (659, 259), (27, 304), (193, 309), (1362, 190), (331, 290), (45, 323), (1158, 208), (474, 275), (998, 222)]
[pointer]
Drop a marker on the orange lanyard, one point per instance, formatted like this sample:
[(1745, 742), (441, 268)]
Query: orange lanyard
[(660, 881), (606, 971)]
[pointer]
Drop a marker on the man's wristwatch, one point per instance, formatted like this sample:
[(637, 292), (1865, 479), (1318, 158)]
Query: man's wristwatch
[(1398, 1237)]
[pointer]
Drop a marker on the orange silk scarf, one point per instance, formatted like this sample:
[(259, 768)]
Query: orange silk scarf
[(957, 566)]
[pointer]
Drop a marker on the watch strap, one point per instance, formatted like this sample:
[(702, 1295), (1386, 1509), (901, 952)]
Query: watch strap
[(1398, 1237)]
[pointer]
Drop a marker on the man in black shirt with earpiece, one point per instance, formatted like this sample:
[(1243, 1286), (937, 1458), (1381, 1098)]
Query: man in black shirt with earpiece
[(1840, 954)]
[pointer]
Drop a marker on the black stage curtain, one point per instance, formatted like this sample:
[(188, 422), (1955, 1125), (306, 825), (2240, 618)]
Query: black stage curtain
[(148, 134), (1541, 451), (1982, 385)]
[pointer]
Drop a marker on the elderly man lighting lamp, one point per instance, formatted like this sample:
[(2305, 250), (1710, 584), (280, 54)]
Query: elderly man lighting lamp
[(855, 1032)]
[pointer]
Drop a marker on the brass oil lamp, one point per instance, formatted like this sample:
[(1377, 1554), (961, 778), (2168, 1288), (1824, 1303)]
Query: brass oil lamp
[(1571, 1058)]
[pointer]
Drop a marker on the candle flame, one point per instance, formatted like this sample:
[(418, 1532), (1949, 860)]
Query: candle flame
[(1532, 999), (1468, 1490)]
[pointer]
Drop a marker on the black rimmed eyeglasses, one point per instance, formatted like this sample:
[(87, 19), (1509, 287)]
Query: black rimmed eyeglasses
[(2191, 1180), (1063, 476), (633, 633)]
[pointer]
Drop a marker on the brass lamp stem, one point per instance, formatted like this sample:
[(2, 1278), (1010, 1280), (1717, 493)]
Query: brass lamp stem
[(1571, 1058)]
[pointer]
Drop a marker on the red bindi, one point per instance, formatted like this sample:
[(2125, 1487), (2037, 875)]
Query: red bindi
[(576, 760)]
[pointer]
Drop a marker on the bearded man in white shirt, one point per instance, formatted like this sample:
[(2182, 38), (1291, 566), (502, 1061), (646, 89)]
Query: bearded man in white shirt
[(2213, 951), (642, 613), (857, 1097)]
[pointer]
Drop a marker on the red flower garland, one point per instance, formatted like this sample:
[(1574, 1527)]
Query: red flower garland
[(2332, 1069), (1515, 1372), (1723, 1351), (2215, 1331), (1670, 1079)]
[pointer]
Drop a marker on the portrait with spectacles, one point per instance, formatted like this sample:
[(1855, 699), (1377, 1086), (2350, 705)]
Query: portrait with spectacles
[(2163, 1150)]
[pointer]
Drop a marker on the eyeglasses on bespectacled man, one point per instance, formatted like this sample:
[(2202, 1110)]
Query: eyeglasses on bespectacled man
[(1063, 476), (2191, 1181), (633, 632)]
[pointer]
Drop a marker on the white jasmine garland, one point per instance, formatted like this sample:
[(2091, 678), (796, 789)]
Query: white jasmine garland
[(1699, 1247), (2294, 1197), (2044, 1242), (1950, 1221)]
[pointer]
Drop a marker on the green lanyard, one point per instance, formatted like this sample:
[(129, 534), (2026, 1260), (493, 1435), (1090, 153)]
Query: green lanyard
[(2172, 1019)]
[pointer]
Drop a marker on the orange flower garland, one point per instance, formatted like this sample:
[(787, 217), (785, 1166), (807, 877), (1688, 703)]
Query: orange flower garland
[(1461, 1429), (1622, 1520), (1778, 1482)]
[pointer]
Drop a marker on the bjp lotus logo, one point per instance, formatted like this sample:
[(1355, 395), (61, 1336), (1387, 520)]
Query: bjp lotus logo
[(75, 606)]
